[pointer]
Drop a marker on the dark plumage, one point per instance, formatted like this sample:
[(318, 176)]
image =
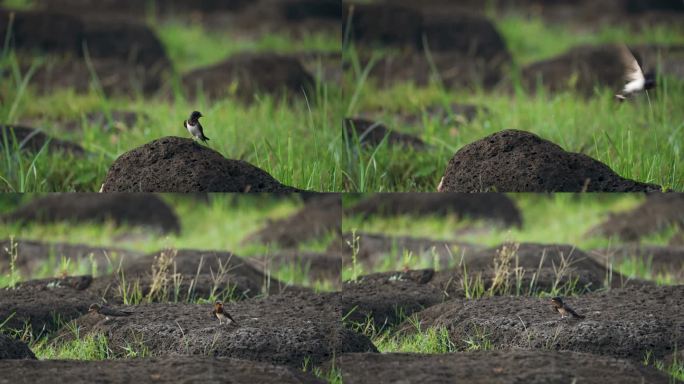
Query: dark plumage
[(108, 312), (635, 78), (221, 314), (564, 309), (194, 127)]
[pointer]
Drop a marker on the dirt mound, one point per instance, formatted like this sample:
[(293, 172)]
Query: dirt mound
[(194, 369), (318, 218), (189, 274), (660, 260), (311, 9), (625, 322), (174, 164), (282, 329), (657, 213), (31, 254), (44, 304), (581, 69), (123, 209), (390, 296), (246, 75), (387, 298), (534, 367), (374, 247), (371, 133), (44, 31), (519, 161), (31, 139), (14, 349), (637, 6), (491, 206), (137, 8), (325, 266)]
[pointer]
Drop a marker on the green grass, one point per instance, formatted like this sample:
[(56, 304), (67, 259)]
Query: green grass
[(549, 219), (290, 139), (221, 224), (640, 140)]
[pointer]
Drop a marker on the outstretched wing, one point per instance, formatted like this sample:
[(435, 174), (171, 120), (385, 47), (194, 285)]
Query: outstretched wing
[(633, 71)]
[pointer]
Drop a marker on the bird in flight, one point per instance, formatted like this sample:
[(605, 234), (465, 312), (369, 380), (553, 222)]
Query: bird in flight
[(194, 127), (635, 78)]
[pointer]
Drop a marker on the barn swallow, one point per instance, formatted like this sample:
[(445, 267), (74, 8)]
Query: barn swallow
[(194, 127), (107, 312), (221, 314), (636, 80), (564, 309)]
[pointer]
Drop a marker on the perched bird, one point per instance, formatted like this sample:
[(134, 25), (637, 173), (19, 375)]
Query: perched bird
[(107, 312), (636, 80), (194, 127), (564, 309), (221, 314)]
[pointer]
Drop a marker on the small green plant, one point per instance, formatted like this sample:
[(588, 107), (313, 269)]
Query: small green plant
[(13, 252), (478, 340)]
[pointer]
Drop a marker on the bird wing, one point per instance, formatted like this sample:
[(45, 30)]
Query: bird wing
[(230, 317), (573, 313), (633, 71)]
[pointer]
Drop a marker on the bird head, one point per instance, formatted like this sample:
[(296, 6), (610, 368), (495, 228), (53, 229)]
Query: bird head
[(195, 115), (557, 301), (218, 305), (95, 307)]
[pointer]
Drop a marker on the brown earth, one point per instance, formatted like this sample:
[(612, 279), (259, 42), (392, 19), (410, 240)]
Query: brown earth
[(534, 367), (519, 161), (14, 349), (623, 322), (281, 329), (371, 133), (318, 218), (659, 212), (174, 164), (492, 206), (143, 210), (33, 140), (193, 369)]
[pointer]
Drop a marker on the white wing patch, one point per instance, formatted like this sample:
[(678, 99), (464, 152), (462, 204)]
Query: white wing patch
[(633, 73)]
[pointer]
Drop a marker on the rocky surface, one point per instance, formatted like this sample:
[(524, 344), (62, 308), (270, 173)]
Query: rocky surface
[(14, 349), (519, 161), (159, 370), (493, 367), (143, 210), (174, 164)]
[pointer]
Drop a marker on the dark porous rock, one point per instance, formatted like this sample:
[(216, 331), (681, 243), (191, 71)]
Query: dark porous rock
[(195, 369), (318, 218), (44, 304), (174, 164), (247, 75), (384, 24), (42, 31), (492, 206), (188, 274), (658, 213), (115, 77), (14, 349), (143, 210), (388, 298), (624, 322), (296, 10), (469, 34), (493, 367), (660, 260), (284, 329), (31, 139), (372, 133), (519, 161), (125, 40), (32, 254), (581, 69)]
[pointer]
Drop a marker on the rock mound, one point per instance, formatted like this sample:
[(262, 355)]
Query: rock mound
[(174, 164), (14, 349), (123, 209), (519, 161)]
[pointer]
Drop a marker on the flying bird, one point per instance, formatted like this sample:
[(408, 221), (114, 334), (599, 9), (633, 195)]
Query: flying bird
[(564, 309), (107, 312), (221, 314), (635, 78), (194, 127)]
